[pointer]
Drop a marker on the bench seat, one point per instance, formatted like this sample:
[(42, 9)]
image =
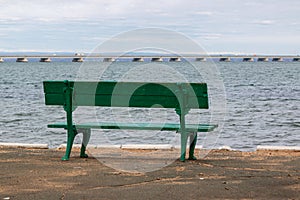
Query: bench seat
[(137, 126)]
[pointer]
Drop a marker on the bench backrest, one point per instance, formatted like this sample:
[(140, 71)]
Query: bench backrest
[(127, 94)]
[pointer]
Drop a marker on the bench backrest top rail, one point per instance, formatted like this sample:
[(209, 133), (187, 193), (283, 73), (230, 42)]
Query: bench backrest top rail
[(127, 94)]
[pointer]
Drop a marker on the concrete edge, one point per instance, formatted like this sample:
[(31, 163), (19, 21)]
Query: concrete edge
[(226, 148), (276, 148), (24, 145), (129, 146), (144, 146), (170, 147)]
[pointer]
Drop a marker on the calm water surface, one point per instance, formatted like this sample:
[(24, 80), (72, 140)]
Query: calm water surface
[(262, 103)]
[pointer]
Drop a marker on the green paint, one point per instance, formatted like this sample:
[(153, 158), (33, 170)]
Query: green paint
[(180, 96)]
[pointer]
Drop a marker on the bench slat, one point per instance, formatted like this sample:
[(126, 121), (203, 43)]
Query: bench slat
[(137, 126), (113, 101), (125, 88), (127, 94), (126, 101)]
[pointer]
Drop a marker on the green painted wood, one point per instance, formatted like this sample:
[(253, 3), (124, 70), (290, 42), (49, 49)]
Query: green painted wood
[(181, 96), (128, 94), (137, 126), (126, 88)]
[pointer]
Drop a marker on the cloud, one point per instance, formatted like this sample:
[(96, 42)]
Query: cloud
[(253, 3), (89, 21), (265, 22), (209, 36), (150, 38), (207, 13), (58, 10)]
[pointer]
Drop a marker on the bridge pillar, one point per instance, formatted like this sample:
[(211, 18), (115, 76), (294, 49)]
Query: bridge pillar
[(1, 60), (277, 59), (296, 59), (109, 59), (201, 59), (80, 59), (225, 59), (139, 59), (157, 59), (45, 60), (263, 59), (175, 59), (248, 59), (22, 59)]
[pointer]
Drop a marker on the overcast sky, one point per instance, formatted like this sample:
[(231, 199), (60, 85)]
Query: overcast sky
[(256, 26)]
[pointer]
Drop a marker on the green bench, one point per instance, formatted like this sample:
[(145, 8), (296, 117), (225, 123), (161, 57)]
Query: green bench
[(180, 96)]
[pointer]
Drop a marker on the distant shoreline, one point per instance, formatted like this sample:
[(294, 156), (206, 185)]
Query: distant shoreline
[(140, 57)]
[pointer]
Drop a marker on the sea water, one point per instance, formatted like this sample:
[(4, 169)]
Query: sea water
[(262, 101)]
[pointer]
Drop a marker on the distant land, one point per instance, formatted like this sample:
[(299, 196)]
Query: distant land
[(67, 53)]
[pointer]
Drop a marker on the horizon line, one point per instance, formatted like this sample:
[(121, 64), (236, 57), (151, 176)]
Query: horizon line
[(87, 54)]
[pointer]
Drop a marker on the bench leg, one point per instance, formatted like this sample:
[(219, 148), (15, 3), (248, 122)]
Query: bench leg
[(85, 140), (183, 146), (71, 137), (193, 141)]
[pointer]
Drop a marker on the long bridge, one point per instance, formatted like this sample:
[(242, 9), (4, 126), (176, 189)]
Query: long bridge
[(154, 58)]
